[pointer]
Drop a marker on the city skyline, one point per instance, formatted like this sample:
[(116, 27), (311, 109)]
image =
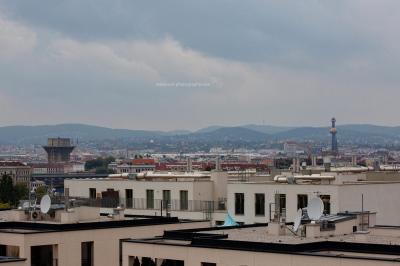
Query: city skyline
[(141, 66)]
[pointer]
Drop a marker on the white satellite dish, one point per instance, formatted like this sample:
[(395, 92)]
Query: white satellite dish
[(297, 220), (45, 204), (315, 209)]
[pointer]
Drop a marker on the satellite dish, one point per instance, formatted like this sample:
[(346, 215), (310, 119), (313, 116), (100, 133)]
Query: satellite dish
[(297, 220), (315, 209), (45, 204)]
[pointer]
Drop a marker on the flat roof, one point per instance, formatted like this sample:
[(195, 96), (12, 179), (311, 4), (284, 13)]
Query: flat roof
[(255, 238), (343, 183), (27, 227)]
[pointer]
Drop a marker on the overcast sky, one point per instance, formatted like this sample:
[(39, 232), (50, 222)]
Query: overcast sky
[(190, 64)]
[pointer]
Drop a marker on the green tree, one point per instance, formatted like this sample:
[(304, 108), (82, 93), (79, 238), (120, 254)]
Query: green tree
[(40, 192), (21, 192), (93, 164), (6, 189), (99, 165)]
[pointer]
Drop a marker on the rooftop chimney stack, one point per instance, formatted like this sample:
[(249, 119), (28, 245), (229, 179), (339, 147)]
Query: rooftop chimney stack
[(189, 167), (354, 160), (313, 160)]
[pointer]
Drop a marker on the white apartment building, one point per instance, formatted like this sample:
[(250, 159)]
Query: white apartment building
[(257, 199), (259, 202), (133, 168), (272, 245), (187, 195), (78, 236)]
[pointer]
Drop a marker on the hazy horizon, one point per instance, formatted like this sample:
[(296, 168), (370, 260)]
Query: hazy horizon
[(192, 64), (197, 129)]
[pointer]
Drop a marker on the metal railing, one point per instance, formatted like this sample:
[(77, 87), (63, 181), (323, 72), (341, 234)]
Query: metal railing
[(173, 205), (151, 204)]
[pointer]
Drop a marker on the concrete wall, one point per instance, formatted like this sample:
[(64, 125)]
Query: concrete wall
[(380, 198), (194, 256), (106, 242), (270, 189), (199, 190)]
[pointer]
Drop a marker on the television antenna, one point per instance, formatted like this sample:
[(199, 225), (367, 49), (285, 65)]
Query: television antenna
[(297, 220)]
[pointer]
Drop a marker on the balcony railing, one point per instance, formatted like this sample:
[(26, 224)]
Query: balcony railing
[(153, 204)]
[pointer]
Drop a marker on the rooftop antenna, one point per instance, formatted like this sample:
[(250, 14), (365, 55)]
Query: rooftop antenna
[(315, 209), (297, 220), (45, 204)]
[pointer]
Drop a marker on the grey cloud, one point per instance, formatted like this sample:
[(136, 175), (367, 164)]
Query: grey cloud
[(295, 33), (285, 62)]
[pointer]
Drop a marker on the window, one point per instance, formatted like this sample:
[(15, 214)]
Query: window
[(302, 201), (42, 255), (87, 253), (150, 199), (239, 203), (129, 198), (184, 201), (280, 204), (166, 198), (260, 204), (208, 264), (92, 193), (326, 199)]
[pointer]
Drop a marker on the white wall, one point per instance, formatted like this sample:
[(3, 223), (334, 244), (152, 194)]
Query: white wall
[(106, 242), (381, 198), (270, 189), (193, 256), (199, 190)]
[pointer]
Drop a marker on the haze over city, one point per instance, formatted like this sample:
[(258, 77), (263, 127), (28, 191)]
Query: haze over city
[(187, 65)]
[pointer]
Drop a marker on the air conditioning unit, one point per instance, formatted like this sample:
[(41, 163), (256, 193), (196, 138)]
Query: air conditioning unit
[(35, 215)]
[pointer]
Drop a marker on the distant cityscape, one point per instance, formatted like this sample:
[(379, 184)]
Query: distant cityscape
[(273, 194)]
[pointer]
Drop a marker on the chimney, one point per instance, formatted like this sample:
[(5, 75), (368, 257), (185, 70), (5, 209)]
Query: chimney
[(218, 164), (313, 160), (354, 160), (296, 165), (189, 167), (327, 164)]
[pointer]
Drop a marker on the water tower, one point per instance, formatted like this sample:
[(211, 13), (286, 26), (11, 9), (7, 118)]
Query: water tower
[(58, 150)]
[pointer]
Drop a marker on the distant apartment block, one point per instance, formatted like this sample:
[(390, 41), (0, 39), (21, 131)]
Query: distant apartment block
[(19, 172)]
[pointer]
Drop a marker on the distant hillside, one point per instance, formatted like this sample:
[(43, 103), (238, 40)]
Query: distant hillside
[(363, 134), (230, 134), (39, 134), (303, 133), (267, 129), (208, 129)]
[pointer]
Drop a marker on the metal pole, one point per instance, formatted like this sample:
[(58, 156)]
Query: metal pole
[(362, 212)]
